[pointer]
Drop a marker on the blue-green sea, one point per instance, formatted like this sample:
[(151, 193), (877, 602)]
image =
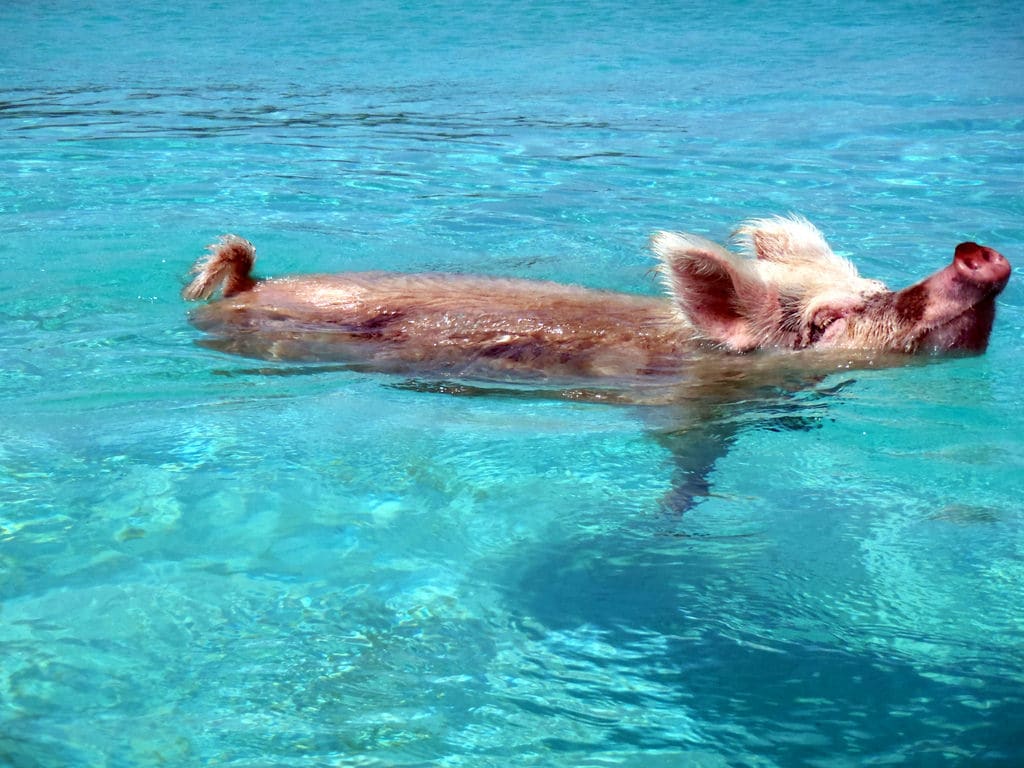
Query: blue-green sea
[(207, 560)]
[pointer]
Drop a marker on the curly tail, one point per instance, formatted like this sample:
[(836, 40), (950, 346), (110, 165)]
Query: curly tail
[(229, 263)]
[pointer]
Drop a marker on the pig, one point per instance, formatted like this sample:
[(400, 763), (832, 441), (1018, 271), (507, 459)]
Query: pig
[(783, 288)]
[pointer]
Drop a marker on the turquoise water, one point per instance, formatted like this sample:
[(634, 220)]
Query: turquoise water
[(206, 560)]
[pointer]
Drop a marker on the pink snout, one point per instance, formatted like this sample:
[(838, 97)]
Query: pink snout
[(981, 266)]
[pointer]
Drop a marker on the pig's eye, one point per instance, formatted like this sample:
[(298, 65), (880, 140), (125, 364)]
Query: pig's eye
[(817, 329), (819, 325)]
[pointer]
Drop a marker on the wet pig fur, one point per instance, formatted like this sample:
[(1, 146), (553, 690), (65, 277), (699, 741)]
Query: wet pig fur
[(783, 288)]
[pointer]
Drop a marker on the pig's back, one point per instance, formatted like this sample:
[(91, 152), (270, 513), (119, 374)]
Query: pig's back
[(451, 324)]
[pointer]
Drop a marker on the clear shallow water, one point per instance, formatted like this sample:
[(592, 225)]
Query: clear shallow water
[(205, 563)]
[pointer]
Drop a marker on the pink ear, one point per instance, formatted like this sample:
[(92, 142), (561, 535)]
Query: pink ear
[(715, 292), (708, 297), (784, 239), (770, 247)]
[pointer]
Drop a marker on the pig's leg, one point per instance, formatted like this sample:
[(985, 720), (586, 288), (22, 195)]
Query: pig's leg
[(704, 434), (694, 451)]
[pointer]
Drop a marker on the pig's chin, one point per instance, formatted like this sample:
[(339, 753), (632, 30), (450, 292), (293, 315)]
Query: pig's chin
[(967, 333)]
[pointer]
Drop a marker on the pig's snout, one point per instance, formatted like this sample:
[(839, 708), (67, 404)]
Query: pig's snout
[(981, 266)]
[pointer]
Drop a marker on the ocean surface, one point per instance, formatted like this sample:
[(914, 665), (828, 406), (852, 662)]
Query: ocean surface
[(208, 560)]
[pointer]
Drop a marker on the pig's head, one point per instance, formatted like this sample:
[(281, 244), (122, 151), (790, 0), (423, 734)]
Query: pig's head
[(788, 290)]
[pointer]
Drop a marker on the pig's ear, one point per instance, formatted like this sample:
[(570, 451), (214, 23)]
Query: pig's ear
[(784, 239), (716, 293)]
